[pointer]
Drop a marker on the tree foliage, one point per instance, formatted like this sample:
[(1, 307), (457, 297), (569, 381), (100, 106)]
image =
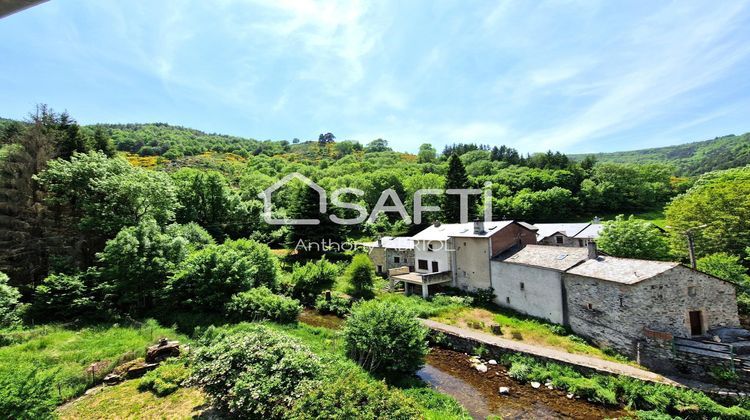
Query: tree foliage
[(311, 279), (633, 238), (361, 276)]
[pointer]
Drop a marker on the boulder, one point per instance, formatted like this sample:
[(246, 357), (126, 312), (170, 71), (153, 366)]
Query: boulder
[(504, 390), (481, 368), (112, 379), (492, 362), (535, 385), (163, 350), (136, 371)]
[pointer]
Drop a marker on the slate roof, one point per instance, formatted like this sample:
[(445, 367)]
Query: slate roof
[(570, 230), (591, 231), (460, 230), (393, 242), (622, 270), (549, 257)]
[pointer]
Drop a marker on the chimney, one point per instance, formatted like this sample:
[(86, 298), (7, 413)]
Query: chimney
[(380, 242), (592, 249), (596, 220), (478, 227), (436, 223)]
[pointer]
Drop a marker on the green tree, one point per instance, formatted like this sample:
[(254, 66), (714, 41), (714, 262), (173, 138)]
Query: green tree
[(724, 266), (633, 238), (10, 303), (719, 203), (377, 145), (385, 338), (311, 279), (426, 154), (208, 278), (63, 297), (138, 261), (310, 239), (103, 142), (456, 178), (205, 198), (361, 277)]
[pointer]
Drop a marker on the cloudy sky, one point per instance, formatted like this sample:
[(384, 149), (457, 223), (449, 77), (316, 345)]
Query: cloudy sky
[(575, 76)]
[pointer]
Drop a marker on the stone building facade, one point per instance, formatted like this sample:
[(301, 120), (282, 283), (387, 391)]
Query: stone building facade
[(391, 252), (678, 300)]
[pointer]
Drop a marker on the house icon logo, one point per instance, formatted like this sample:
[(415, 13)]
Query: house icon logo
[(267, 203)]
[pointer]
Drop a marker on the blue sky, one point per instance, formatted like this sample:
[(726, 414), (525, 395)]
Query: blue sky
[(574, 76)]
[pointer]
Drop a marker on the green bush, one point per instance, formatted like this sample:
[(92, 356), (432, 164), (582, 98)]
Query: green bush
[(27, 394), (361, 277), (385, 338), (208, 278), (311, 279), (165, 379), (261, 303), (339, 305), (10, 306), (484, 297), (62, 297), (354, 398), (254, 373)]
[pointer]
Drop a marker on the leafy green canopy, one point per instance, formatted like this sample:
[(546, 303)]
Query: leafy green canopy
[(633, 238)]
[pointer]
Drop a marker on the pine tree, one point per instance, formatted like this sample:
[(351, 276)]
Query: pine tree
[(103, 143), (456, 178), (306, 205)]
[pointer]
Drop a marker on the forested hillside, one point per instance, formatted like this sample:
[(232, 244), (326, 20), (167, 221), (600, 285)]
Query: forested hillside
[(690, 158)]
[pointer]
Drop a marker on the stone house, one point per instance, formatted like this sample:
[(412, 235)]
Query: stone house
[(613, 301), (391, 252)]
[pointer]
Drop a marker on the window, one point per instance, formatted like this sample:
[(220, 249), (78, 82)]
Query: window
[(380, 269), (590, 306), (429, 247), (580, 243), (622, 299), (558, 239), (435, 267), (691, 290), (507, 299), (422, 264), (397, 259), (522, 286)]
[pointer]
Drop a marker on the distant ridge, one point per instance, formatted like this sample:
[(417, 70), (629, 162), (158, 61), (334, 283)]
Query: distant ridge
[(690, 158)]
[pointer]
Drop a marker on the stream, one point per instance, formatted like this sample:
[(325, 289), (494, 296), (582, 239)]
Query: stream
[(451, 373)]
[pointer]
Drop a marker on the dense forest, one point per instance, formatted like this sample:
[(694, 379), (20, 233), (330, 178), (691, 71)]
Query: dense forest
[(690, 158)]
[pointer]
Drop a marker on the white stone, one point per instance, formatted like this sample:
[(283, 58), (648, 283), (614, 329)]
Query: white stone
[(492, 362), (504, 390), (482, 368), (535, 385), (570, 396)]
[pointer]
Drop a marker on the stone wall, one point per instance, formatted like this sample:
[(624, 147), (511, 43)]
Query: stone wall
[(529, 290), (385, 258), (615, 315), (567, 241)]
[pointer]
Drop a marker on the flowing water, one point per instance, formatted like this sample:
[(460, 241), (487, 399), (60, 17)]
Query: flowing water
[(451, 373)]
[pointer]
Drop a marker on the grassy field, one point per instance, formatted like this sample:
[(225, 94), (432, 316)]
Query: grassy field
[(514, 326), (125, 401), (70, 354)]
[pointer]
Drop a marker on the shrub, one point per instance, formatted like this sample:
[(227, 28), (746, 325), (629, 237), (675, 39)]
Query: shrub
[(361, 277), (62, 297), (165, 379), (385, 338), (261, 304), (10, 306), (208, 278), (339, 305), (27, 394), (354, 397), (254, 373), (311, 279), (197, 237), (484, 297)]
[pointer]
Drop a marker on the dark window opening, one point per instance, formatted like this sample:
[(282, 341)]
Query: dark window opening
[(422, 264), (590, 306), (380, 269), (507, 299), (522, 286), (580, 242), (396, 260), (559, 239), (435, 267)]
